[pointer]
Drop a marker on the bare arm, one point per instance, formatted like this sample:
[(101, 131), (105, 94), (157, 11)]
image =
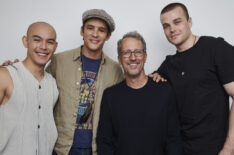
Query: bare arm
[(6, 86), (228, 148)]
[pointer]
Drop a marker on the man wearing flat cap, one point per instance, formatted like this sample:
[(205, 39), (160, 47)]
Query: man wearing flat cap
[(82, 74)]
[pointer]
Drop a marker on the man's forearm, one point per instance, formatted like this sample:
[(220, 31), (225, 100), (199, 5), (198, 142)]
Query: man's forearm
[(228, 148)]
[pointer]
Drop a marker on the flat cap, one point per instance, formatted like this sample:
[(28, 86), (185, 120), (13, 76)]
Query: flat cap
[(101, 14)]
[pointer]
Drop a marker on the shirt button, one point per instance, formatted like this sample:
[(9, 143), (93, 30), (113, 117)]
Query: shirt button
[(38, 126), (77, 83), (79, 68), (182, 73), (39, 107), (39, 86)]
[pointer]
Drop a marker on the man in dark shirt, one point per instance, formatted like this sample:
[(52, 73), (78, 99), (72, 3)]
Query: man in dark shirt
[(138, 116), (202, 75)]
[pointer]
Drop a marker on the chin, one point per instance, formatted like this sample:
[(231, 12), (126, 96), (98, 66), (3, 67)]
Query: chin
[(132, 75), (94, 46), (42, 63)]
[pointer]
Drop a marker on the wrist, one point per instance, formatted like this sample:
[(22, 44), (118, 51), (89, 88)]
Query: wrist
[(229, 144)]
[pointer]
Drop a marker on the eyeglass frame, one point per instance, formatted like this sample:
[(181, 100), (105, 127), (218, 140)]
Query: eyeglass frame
[(137, 53)]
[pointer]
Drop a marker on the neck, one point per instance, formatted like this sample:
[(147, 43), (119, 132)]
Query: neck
[(190, 42), (137, 82), (36, 70), (91, 54)]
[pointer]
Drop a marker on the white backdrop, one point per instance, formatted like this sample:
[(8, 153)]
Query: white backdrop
[(210, 17)]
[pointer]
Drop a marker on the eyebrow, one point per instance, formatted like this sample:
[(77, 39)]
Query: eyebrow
[(36, 36), (177, 19), (104, 27), (172, 20)]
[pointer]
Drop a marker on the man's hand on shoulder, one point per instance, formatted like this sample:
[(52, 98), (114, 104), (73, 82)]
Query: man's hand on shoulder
[(156, 77), (8, 62)]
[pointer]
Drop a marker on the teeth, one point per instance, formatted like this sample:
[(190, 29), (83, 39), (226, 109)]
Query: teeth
[(42, 54), (94, 41)]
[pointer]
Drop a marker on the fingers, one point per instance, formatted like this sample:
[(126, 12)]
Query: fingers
[(163, 80), (7, 63), (151, 75), (16, 60), (156, 77)]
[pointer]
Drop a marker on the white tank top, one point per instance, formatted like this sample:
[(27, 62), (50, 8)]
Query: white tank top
[(27, 124)]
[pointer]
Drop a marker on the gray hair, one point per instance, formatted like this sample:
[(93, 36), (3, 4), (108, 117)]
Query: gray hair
[(132, 34)]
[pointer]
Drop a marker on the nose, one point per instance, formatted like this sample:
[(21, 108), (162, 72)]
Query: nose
[(95, 33), (132, 56), (172, 28), (43, 45)]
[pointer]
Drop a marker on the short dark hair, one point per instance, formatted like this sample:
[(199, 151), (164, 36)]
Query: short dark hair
[(132, 34), (172, 6)]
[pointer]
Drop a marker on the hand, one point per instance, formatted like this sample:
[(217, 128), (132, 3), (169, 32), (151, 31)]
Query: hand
[(8, 62), (226, 152), (156, 77), (228, 148)]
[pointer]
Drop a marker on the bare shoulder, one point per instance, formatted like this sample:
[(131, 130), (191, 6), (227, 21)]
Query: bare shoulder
[(5, 78), (6, 85), (4, 74)]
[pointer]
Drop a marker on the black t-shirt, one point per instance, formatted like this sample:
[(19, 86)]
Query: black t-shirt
[(197, 76), (139, 121)]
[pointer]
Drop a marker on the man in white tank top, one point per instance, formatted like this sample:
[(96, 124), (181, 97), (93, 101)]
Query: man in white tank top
[(27, 97)]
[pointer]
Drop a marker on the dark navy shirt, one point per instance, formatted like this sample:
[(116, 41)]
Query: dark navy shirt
[(83, 132)]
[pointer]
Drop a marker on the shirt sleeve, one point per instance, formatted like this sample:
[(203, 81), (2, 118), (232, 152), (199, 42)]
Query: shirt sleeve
[(224, 61), (104, 133), (173, 141)]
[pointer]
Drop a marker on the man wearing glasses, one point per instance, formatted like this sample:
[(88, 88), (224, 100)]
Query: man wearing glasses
[(137, 115)]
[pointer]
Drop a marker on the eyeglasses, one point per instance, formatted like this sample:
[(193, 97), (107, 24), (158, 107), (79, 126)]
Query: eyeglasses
[(137, 53)]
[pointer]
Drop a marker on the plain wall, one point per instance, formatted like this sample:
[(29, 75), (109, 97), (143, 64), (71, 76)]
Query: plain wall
[(210, 17)]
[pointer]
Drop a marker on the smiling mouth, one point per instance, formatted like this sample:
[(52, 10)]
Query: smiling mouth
[(133, 66), (42, 54), (174, 36), (94, 41)]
